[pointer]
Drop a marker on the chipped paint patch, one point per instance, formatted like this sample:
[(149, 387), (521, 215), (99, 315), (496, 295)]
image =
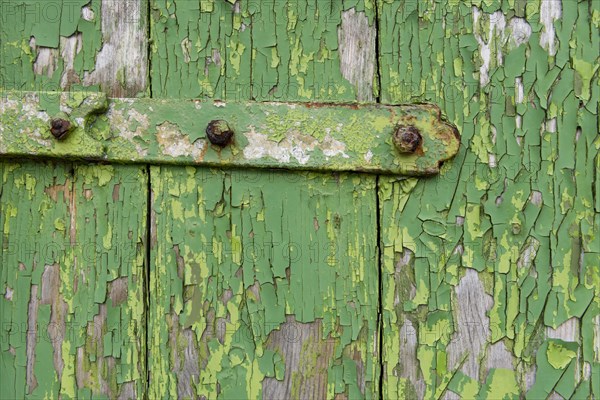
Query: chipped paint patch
[(550, 11), (72, 280), (357, 47), (64, 45), (268, 311), (294, 146), (274, 51), (174, 143)]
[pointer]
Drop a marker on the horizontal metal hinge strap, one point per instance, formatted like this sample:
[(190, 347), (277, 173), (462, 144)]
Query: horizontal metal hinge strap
[(306, 136)]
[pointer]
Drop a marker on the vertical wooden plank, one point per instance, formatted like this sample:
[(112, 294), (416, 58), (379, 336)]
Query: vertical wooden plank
[(51, 45), (244, 318), (304, 50), (72, 281), (74, 285), (263, 285), (490, 271)]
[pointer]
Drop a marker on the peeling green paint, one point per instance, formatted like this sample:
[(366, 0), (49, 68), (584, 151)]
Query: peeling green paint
[(490, 272), (516, 204), (253, 50), (276, 135), (73, 319), (71, 44), (249, 269)]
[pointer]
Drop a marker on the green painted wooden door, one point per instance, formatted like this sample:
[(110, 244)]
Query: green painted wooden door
[(165, 281)]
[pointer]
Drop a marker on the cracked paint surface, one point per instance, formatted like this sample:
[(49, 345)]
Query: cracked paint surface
[(73, 44), (253, 273), (262, 50), (491, 270), (72, 281)]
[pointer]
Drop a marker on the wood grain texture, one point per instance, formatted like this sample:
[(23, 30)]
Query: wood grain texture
[(50, 45), (267, 280), (72, 281), (306, 357), (502, 289)]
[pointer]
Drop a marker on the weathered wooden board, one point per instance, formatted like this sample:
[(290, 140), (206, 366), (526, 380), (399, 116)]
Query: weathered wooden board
[(72, 267), (72, 281), (291, 326), (49, 45), (310, 50), (263, 284), (491, 270)]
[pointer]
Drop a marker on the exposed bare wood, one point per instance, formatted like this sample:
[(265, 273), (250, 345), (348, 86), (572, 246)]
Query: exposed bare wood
[(306, 356), (357, 47)]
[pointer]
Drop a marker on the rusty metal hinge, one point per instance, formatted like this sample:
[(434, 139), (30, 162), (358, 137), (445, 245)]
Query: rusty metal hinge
[(405, 139)]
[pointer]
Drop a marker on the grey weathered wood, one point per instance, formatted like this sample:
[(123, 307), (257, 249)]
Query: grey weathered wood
[(357, 46), (472, 324), (120, 58), (295, 342)]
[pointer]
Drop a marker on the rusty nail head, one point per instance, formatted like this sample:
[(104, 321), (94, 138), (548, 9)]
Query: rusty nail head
[(219, 133), (60, 128), (407, 138)]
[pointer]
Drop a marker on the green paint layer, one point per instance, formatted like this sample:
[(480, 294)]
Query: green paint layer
[(275, 135), (248, 269), (488, 264), (94, 45), (72, 281), (257, 50)]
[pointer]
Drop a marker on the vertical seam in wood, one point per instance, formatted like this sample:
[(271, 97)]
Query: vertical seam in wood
[(377, 52), (251, 77), (147, 280), (148, 264), (149, 56), (378, 217), (379, 288)]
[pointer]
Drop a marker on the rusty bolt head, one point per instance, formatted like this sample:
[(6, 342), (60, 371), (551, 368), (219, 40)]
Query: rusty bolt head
[(407, 138), (219, 133), (60, 128)]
